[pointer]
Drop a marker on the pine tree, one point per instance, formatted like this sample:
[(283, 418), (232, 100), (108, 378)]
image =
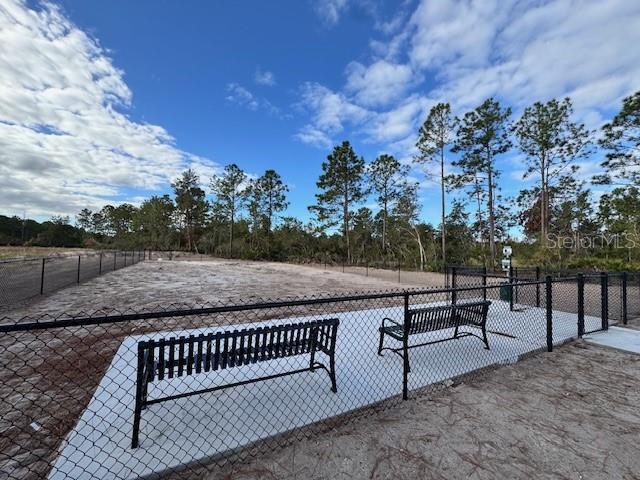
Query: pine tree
[(622, 141), (342, 186), (552, 143), (273, 198), (229, 196), (482, 136), (191, 205), (387, 177), (436, 134)]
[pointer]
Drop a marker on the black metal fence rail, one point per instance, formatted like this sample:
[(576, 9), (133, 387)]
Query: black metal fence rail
[(24, 279), (69, 384)]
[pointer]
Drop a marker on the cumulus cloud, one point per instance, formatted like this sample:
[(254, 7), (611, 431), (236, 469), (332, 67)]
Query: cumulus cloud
[(378, 83), (465, 51), (330, 110), (66, 141), (264, 77)]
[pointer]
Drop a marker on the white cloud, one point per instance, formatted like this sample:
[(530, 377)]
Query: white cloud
[(264, 77), (65, 142), (330, 111), (379, 83), (314, 136), (470, 50), (330, 11), (402, 121), (239, 95)]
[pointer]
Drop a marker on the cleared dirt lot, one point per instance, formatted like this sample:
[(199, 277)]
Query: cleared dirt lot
[(568, 414), (562, 415), (196, 282)]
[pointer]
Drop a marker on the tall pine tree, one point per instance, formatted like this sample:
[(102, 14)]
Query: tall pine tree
[(341, 187), (483, 135)]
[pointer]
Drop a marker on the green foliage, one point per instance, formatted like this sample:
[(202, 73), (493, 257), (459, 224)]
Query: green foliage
[(191, 206), (551, 143), (229, 196), (435, 135), (482, 136), (341, 187), (621, 139), (387, 177)]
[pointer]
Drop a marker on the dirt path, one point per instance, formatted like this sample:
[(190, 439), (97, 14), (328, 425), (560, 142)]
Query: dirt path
[(569, 414)]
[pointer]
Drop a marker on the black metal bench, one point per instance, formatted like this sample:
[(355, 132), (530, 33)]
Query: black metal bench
[(439, 317), (176, 357)]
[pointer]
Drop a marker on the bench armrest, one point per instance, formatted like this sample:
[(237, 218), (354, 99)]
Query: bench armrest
[(390, 320)]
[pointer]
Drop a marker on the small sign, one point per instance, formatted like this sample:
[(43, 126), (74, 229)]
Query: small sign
[(506, 263), (507, 251)]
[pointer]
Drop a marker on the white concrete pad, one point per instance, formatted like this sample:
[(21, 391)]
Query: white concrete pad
[(616, 337), (199, 427)]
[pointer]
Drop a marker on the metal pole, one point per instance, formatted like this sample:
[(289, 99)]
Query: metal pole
[(115, 257), (78, 279), (125, 258), (100, 267), (454, 282), (42, 278), (484, 284), (604, 300), (398, 271), (624, 298), (510, 288), (580, 305), (549, 292), (538, 287), (405, 349), (367, 267)]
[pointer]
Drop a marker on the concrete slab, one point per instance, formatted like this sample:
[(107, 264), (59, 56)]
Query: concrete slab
[(203, 426), (619, 338)]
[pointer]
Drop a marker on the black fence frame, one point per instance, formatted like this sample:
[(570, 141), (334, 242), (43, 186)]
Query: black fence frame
[(9, 295), (544, 296)]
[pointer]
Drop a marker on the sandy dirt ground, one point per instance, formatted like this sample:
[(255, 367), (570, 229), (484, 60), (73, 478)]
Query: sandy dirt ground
[(196, 282), (569, 414)]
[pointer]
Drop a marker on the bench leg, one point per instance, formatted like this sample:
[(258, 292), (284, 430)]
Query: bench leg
[(484, 337), (455, 332), (136, 425), (381, 340), (312, 361)]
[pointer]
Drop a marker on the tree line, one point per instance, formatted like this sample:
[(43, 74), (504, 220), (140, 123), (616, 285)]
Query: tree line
[(243, 217)]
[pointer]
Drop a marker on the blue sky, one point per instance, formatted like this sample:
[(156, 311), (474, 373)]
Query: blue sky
[(104, 102)]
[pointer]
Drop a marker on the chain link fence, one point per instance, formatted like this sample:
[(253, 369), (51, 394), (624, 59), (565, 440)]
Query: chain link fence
[(179, 392), (25, 279)]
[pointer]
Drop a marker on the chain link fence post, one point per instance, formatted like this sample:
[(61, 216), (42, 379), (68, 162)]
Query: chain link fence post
[(580, 281), (484, 283), (537, 287), (624, 298), (549, 295), (405, 349), (604, 300), (42, 278), (453, 284), (78, 276)]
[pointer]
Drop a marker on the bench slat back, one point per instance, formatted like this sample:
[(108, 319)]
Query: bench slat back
[(472, 313), (167, 358), (430, 319), (440, 317)]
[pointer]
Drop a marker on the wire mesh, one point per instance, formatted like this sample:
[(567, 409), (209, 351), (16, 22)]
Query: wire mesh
[(215, 383), (25, 279)]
